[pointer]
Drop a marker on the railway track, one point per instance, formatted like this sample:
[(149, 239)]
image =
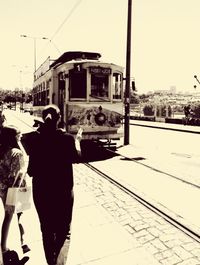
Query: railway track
[(138, 160), (194, 130), (151, 206), (192, 232)]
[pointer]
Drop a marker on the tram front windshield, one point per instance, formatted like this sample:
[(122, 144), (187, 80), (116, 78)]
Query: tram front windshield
[(99, 87)]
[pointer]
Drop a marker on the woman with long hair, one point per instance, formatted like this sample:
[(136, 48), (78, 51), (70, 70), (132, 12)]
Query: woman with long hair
[(12, 165)]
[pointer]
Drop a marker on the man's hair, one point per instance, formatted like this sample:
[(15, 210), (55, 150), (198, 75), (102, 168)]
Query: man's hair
[(53, 110)]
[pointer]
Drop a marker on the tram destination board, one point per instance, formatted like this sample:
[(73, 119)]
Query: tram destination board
[(100, 70)]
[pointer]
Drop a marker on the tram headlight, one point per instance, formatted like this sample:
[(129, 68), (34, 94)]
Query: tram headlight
[(100, 118)]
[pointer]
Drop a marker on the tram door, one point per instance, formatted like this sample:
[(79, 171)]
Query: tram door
[(61, 97), (77, 83)]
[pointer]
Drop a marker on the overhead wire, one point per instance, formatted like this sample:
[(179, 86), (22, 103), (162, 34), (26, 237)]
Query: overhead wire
[(55, 46), (68, 16), (61, 25)]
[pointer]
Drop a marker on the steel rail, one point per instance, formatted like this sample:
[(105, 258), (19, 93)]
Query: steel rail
[(165, 128), (182, 227), (154, 169)]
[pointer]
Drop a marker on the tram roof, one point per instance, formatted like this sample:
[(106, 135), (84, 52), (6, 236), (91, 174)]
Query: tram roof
[(68, 56)]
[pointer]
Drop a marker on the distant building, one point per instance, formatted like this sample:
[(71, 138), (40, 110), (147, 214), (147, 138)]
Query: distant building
[(173, 89), (162, 92)]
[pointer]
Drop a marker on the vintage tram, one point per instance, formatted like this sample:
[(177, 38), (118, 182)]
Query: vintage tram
[(88, 92)]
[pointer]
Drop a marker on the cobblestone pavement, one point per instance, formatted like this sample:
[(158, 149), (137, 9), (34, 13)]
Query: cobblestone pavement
[(166, 243)]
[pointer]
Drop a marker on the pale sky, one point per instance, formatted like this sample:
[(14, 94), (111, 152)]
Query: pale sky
[(165, 38)]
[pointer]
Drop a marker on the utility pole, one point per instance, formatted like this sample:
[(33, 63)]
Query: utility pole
[(34, 46), (128, 70)]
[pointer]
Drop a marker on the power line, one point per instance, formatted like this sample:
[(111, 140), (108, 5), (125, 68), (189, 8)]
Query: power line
[(68, 16), (55, 46), (61, 25)]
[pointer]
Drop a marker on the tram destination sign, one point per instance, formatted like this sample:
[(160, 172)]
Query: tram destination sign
[(100, 70)]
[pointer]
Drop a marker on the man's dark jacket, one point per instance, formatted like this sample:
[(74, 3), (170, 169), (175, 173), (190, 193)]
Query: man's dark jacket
[(51, 154)]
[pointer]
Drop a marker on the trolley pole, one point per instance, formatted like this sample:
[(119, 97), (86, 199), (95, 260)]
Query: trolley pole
[(128, 69)]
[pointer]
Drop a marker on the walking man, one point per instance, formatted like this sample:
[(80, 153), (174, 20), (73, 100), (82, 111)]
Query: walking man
[(51, 154)]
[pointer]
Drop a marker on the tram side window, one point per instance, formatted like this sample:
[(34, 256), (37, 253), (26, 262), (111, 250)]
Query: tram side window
[(34, 96), (117, 84), (34, 100), (47, 97), (42, 98), (99, 86)]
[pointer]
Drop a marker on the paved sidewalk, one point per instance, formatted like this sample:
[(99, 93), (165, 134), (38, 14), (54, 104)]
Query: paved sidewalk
[(111, 228), (97, 238)]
